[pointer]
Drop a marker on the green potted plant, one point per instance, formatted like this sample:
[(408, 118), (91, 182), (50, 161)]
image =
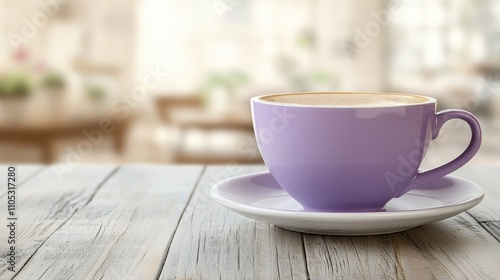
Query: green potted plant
[(220, 89), (53, 82), (14, 90), (15, 86), (95, 93)]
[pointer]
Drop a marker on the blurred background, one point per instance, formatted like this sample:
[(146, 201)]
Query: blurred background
[(169, 81)]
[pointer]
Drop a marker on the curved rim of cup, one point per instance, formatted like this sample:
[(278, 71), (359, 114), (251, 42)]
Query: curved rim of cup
[(259, 99)]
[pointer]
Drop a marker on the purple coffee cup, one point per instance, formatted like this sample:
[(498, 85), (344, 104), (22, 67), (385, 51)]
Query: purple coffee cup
[(352, 158)]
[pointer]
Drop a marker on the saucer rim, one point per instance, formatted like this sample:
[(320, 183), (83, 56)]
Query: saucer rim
[(478, 196)]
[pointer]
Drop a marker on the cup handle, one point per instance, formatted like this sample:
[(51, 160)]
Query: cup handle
[(470, 151)]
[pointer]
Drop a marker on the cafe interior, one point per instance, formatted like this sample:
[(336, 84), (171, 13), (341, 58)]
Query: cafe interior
[(169, 81)]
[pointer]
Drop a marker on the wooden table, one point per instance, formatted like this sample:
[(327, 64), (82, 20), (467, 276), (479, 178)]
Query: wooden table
[(187, 111), (235, 118), (44, 137), (42, 126), (158, 222)]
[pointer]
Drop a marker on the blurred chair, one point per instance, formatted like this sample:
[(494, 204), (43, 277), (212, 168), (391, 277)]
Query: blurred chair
[(218, 127)]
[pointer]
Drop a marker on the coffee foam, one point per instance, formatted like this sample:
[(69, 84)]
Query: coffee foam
[(346, 99)]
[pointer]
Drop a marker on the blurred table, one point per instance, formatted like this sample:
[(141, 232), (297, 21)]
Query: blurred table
[(167, 102), (232, 118), (159, 222), (188, 112), (42, 126)]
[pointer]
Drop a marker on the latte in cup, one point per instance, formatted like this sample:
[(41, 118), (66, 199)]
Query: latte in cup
[(346, 99), (352, 151)]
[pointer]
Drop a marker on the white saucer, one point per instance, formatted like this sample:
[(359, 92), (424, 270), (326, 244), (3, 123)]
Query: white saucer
[(258, 196)]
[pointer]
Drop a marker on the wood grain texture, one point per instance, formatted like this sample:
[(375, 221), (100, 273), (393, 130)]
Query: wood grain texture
[(339, 257), (123, 233), (150, 222), (493, 228), (457, 248), (488, 177), (214, 243), (24, 173), (44, 204)]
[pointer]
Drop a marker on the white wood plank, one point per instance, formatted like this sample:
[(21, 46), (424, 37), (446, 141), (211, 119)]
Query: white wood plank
[(44, 204), (24, 172), (493, 228), (124, 228), (214, 243), (457, 248), (339, 257), (124, 232), (488, 177)]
